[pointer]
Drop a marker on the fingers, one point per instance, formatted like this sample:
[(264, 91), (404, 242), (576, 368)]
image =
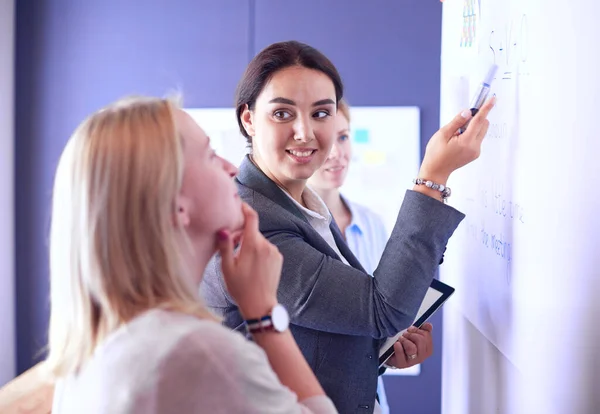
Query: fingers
[(483, 130), (236, 236), (427, 327), (422, 340), (453, 126), (250, 231), (277, 256), (225, 246), (410, 347), (485, 109), (479, 125), (399, 359), (416, 343), (476, 124)]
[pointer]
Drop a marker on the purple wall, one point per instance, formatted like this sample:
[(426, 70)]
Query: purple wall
[(75, 56), (387, 51)]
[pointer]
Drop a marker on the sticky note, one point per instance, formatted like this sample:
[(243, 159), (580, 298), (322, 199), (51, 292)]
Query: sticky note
[(361, 136), (373, 157)]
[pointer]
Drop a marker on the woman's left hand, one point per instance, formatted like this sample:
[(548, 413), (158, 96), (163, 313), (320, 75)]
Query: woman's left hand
[(414, 346)]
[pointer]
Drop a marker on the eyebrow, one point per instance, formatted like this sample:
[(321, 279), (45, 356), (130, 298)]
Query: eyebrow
[(290, 102)]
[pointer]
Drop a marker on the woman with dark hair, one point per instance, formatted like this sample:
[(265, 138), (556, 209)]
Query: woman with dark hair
[(286, 105)]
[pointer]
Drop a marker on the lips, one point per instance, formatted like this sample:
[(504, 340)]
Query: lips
[(301, 155), (335, 168)]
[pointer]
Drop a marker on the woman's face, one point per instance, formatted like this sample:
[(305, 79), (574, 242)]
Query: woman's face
[(208, 200), (333, 173), (292, 124)]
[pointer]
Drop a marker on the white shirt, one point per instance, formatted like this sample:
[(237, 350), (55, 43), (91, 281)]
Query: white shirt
[(168, 362), (318, 216)]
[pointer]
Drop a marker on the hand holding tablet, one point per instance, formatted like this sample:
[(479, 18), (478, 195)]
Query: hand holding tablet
[(435, 297), (413, 347)]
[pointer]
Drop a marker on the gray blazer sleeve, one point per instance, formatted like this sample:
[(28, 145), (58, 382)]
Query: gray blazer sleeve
[(324, 294)]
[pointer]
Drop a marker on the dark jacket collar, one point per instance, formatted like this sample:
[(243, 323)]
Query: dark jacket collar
[(251, 176)]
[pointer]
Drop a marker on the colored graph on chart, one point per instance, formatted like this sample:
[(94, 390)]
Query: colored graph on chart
[(469, 29)]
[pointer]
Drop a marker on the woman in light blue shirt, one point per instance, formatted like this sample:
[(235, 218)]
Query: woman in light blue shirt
[(362, 228)]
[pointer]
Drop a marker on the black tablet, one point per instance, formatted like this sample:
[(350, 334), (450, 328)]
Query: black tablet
[(435, 297)]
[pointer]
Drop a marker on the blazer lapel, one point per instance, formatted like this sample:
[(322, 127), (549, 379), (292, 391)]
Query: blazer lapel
[(252, 177)]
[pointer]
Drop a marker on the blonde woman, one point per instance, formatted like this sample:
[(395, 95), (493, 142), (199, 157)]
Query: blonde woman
[(141, 203)]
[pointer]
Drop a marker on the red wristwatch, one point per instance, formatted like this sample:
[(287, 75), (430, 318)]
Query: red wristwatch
[(277, 320)]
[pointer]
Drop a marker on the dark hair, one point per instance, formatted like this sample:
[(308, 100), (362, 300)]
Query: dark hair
[(272, 59)]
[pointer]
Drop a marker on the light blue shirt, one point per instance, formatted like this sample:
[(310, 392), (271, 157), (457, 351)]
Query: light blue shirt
[(366, 236)]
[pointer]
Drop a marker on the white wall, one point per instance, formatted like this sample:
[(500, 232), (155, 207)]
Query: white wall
[(7, 250), (521, 331)]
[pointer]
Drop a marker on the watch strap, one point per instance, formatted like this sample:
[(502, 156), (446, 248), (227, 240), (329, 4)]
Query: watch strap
[(266, 326), (277, 320), (256, 321)]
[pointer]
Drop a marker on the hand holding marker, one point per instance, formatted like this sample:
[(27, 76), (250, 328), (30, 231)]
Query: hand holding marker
[(481, 95)]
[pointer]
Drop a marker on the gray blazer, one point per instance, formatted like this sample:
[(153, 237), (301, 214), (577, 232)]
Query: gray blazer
[(339, 314)]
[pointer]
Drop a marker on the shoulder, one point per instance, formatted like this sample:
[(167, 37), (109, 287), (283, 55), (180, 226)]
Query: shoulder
[(206, 356), (272, 215), (161, 357), (206, 345), (201, 363), (159, 335), (211, 359)]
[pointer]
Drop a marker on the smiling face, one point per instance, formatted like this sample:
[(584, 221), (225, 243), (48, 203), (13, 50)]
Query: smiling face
[(333, 173), (292, 125)]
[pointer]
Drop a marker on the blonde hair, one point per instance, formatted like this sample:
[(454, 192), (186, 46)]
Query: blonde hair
[(344, 108), (114, 241)]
